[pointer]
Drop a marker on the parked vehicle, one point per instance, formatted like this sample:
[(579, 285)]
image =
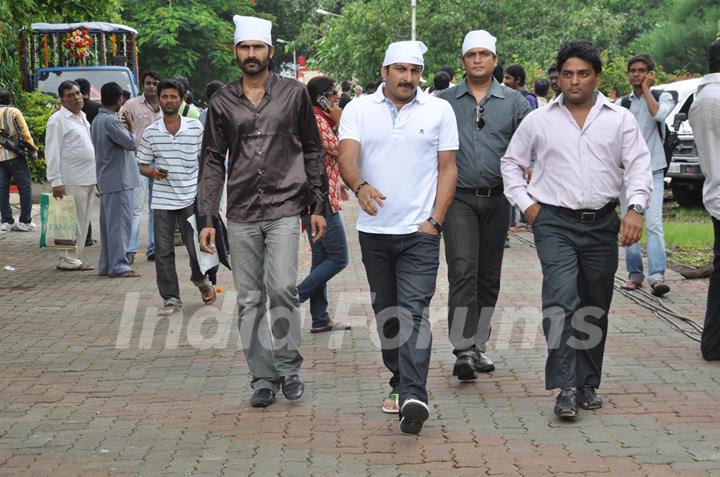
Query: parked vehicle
[(51, 53), (686, 179)]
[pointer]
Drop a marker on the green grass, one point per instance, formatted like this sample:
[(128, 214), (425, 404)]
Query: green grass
[(688, 236)]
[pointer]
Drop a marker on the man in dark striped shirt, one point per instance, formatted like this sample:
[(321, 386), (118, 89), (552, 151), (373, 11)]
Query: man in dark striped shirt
[(173, 142)]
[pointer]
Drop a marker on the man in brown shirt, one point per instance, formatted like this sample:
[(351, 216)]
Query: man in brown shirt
[(266, 126)]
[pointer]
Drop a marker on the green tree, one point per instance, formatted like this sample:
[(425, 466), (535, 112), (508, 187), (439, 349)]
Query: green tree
[(681, 41), (188, 38)]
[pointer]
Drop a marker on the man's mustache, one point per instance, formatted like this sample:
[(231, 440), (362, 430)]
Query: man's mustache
[(406, 85), (251, 61)]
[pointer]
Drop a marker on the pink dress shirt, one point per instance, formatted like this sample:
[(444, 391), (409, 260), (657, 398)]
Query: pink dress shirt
[(577, 168)]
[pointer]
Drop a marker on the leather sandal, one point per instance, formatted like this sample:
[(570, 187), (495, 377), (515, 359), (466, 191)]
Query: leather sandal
[(631, 285), (128, 274), (208, 295)]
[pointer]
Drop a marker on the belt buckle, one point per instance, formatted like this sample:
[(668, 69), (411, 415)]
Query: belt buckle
[(588, 216), (484, 196)]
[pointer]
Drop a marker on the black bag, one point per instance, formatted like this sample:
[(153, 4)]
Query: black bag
[(669, 138)]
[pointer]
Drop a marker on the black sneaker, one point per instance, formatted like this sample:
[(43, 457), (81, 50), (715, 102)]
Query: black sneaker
[(413, 415), (588, 398), (566, 403)]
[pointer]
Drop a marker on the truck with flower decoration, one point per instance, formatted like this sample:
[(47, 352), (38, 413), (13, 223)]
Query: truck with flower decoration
[(51, 53)]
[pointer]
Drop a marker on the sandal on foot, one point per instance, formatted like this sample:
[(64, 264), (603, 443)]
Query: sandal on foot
[(208, 295), (631, 285), (391, 404), (128, 274)]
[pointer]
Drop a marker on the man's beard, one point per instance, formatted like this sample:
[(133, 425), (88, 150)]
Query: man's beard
[(169, 111), (254, 66)]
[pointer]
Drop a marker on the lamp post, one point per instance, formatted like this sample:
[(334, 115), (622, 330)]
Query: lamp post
[(285, 42), (413, 8)]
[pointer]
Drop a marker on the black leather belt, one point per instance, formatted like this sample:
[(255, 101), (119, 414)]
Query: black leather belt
[(482, 192), (585, 215)]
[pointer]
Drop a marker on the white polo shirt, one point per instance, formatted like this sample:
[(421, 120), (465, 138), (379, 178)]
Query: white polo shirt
[(399, 155)]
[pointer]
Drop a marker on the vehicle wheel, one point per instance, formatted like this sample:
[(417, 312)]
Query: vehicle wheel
[(686, 195)]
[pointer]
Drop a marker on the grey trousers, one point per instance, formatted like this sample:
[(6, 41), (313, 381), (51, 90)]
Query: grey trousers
[(265, 267), (579, 261), (115, 228)]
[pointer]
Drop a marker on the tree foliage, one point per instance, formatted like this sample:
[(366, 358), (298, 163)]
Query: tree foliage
[(189, 38)]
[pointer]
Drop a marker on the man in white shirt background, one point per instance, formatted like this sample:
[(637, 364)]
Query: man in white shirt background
[(705, 123), (70, 158)]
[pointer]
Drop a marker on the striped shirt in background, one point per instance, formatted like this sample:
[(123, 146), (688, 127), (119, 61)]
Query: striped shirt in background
[(177, 154)]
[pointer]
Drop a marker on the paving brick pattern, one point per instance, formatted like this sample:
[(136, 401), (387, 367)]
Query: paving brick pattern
[(89, 389)]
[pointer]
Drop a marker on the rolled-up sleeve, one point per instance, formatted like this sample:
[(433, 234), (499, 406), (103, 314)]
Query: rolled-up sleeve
[(211, 176), (666, 103), (516, 160), (636, 163)]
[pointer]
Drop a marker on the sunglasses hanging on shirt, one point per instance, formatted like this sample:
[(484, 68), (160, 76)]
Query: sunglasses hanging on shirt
[(479, 117)]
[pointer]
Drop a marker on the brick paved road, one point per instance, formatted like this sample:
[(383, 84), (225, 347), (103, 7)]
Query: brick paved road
[(78, 396)]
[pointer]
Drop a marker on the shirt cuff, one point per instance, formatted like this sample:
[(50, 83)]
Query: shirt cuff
[(56, 182), (638, 199), (525, 201), (206, 221), (318, 208)]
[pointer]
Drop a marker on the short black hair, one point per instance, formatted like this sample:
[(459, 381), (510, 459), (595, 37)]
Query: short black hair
[(171, 83), (498, 72), (318, 86), (553, 69), (212, 87), (516, 71), (126, 94), (449, 70), (152, 74), (582, 49), (84, 86), (714, 56), (441, 81), (5, 97), (644, 58), (66, 85), (345, 86), (110, 93), (370, 85), (541, 87)]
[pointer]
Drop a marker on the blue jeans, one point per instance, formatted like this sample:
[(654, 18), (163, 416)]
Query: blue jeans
[(20, 170), (329, 257), (139, 194), (655, 237)]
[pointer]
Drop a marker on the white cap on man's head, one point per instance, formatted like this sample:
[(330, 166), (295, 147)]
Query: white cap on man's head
[(405, 52), (252, 28), (479, 39)]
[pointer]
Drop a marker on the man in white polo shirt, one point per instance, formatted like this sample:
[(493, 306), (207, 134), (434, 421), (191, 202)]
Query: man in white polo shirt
[(173, 142), (397, 152)]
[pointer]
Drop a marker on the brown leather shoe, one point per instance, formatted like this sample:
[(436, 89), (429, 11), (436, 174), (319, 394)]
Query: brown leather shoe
[(208, 295)]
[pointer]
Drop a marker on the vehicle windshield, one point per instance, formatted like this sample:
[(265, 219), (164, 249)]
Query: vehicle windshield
[(49, 81)]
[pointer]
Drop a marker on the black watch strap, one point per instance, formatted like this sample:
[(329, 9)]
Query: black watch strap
[(438, 226)]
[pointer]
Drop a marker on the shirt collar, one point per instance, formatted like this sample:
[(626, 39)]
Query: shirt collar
[(269, 83), (69, 114), (183, 126), (496, 89), (379, 96), (600, 101), (709, 78)]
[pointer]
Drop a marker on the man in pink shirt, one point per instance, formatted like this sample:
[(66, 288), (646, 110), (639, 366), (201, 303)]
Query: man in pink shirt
[(585, 146)]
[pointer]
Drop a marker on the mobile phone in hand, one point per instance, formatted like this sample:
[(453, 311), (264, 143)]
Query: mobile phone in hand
[(325, 103)]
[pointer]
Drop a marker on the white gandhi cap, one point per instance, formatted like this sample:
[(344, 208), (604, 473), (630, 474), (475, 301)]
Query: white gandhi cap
[(405, 52), (478, 39), (252, 28)]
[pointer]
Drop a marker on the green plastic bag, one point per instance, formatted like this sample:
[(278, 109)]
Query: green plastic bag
[(59, 222)]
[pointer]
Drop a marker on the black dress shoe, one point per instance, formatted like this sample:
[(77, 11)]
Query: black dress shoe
[(483, 364), (566, 403), (293, 387), (151, 258), (464, 367), (130, 257), (588, 398), (262, 397)]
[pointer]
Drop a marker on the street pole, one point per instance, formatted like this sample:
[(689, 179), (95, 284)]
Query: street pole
[(413, 5), (295, 66)]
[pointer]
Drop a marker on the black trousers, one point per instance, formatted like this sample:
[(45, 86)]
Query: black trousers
[(475, 232), (402, 271), (710, 344), (579, 261)]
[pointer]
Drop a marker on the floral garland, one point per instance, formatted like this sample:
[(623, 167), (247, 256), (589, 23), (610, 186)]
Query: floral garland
[(79, 43)]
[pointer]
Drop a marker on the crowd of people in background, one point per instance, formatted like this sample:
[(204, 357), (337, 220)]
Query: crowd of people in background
[(467, 157)]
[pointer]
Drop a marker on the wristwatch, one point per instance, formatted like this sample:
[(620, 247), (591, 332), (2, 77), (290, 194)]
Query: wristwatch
[(438, 226), (637, 208)]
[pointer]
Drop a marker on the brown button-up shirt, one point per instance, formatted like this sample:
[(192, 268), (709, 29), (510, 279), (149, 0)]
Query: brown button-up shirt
[(275, 161)]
